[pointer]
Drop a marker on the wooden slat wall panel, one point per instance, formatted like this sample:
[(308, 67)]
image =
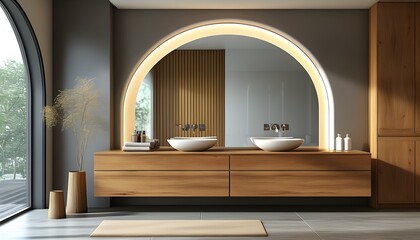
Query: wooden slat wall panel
[(189, 88)]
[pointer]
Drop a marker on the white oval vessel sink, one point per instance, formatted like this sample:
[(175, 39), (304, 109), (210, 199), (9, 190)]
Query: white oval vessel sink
[(277, 144), (192, 144)]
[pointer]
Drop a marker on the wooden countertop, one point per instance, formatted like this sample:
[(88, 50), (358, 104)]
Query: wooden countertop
[(237, 151)]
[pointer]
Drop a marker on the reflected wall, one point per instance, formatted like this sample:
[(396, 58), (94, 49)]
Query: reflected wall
[(267, 86), (262, 84)]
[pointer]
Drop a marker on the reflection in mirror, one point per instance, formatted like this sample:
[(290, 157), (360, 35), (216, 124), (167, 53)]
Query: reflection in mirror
[(262, 85), (144, 105)]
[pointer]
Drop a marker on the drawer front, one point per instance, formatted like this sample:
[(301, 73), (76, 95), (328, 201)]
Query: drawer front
[(361, 162), (300, 183), (161, 162), (162, 183)]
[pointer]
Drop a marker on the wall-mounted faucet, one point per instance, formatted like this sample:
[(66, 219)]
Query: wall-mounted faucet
[(275, 127), (186, 127), (284, 127)]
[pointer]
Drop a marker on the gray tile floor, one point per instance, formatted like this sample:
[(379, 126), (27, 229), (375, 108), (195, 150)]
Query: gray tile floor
[(306, 224)]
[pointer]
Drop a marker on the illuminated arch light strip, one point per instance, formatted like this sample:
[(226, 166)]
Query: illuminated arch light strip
[(253, 30)]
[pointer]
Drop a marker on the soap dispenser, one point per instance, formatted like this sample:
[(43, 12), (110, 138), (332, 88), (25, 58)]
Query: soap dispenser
[(347, 143), (134, 136), (143, 136), (339, 143)]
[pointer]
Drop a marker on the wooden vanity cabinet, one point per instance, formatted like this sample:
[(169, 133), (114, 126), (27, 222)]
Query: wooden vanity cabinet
[(394, 89), (233, 173)]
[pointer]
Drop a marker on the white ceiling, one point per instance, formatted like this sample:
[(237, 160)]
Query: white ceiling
[(244, 4)]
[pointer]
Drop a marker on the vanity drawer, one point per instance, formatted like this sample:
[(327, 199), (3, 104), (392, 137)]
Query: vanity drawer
[(296, 162), (300, 184), (161, 162), (162, 183)]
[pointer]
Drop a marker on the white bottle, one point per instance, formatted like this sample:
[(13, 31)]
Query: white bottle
[(339, 143), (347, 143)]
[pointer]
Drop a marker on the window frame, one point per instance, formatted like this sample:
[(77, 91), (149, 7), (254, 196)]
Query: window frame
[(32, 58)]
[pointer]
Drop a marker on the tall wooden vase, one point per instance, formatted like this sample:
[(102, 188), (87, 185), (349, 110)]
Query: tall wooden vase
[(76, 193)]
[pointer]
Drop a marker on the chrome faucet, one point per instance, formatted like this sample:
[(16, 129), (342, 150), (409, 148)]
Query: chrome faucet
[(280, 128), (184, 127), (284, 126), (275, 127)]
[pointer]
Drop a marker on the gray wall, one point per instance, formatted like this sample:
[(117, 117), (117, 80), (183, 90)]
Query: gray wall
[(337, 38), (40, 15), (82, 48), (267, 86)]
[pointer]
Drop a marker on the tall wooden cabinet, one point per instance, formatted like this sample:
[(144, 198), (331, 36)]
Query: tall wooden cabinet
[(395, 104)]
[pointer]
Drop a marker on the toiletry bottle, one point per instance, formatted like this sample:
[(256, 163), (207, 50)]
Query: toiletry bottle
[(143, 136), (347, 143), (339, 143), (134, 136), (138, 136)]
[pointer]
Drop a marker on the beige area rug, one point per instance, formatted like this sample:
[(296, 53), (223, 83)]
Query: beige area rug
[(180, 228)]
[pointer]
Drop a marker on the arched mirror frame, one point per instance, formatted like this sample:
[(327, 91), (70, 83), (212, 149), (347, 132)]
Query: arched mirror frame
[(241, 28)]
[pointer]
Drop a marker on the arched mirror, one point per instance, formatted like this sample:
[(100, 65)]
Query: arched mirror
[(231, 86), (220, 28)]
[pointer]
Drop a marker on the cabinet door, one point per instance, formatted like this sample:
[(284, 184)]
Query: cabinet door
[(417, 190), (417, 67), (396, 83), (417, 101), (395, 170)]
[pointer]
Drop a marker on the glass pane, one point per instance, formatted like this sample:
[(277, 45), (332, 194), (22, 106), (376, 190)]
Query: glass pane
[(144, 107), (263, 84), (14, 182)]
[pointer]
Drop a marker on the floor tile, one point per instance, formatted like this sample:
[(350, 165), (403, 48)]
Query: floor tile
[(251, 215), (362, 221), (364, 225), (304, 225)]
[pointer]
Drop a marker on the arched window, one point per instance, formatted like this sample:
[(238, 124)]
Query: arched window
[(21, 99)]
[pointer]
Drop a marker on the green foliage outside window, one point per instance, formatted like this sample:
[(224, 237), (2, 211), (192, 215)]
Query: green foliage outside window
[(13, 121), (143, 108), (143, 114)]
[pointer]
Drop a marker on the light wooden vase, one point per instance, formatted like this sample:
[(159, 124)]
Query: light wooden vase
[(56, 208), (76, 193)]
